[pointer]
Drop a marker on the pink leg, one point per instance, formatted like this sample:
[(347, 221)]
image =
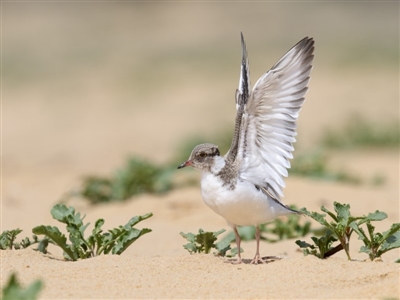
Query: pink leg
[(257, 258), (239, 260)]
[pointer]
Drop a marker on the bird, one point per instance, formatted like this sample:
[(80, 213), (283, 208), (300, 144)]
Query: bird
[(245, 185)]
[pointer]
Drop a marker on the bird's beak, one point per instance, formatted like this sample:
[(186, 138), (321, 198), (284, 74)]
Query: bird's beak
[(185, 164)]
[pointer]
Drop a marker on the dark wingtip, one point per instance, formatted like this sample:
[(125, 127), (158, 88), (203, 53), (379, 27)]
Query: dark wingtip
[(244, 51)]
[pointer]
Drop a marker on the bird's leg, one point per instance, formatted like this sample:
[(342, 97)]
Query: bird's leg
[(257, 258), (239, 260)]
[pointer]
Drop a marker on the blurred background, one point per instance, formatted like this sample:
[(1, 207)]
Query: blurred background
[(85, 85)]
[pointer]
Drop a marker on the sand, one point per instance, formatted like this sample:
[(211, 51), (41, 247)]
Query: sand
[(94, 87)]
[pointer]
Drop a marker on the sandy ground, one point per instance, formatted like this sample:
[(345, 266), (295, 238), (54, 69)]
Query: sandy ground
[(85, 87)]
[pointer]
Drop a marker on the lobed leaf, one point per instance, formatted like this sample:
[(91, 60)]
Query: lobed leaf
[(329, 213), (343, 212), (127, 238), (189, 236), (376, 216), (393, 230), (54, 234), (391, 242), (303, 244), (135, 220), (191, 247)]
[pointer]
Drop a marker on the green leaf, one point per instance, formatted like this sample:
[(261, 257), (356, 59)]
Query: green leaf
[(235, 251), (393, 230), (376, 216), (205, 240), (247, 232), (366, 249), (303, 244), (361, 234), (391, 242), (189, 236), (13, 290), (320, 218), (217, 233), (42, 247), (54, 234), (191, 247), (343, 213), (61, 213), (222, 249), (329, 213), (127, 238), (97, 240), (135, 220)]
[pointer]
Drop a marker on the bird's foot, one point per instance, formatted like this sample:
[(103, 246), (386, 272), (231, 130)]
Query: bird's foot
[(237, 262), (258, 259), (264, 260)]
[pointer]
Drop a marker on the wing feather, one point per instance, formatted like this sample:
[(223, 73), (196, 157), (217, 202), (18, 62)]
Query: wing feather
[(269, 119)]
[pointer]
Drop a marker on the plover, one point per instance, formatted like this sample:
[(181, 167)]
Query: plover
[(245, 185)]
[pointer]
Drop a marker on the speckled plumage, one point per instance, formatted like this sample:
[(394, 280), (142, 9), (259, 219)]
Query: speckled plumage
[(245, 185)]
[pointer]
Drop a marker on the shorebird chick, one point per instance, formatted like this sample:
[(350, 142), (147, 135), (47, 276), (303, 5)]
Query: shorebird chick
[(245, 185)]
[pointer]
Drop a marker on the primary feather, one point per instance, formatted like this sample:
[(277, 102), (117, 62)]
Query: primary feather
[(267, 117)]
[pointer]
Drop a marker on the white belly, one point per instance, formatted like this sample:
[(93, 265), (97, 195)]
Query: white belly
[(245, 205)]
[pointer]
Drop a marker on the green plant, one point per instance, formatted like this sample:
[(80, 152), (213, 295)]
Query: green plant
[(342, 226), (322, 246), (7, 238), (136, 177), (14, 291), (339, 226), (204, 241), (115, 241), (7, 241), (376, 244)]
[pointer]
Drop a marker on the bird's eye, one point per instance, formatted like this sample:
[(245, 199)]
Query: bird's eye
[(202, 154)]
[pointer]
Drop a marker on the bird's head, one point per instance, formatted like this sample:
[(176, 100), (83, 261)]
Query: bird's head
[(202, 157)]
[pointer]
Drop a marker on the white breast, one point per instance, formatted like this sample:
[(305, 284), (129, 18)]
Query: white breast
[(244, 205)]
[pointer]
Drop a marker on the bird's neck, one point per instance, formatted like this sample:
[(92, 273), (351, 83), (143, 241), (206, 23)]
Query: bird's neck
[(218, 165)]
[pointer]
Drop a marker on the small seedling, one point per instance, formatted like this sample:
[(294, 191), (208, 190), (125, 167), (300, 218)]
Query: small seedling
[(7, 241), (13, 290), (204, 241), (115, 241), (376, 244)]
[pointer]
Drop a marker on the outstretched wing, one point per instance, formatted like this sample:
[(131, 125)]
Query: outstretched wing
[(242, 97), (269, 119)]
